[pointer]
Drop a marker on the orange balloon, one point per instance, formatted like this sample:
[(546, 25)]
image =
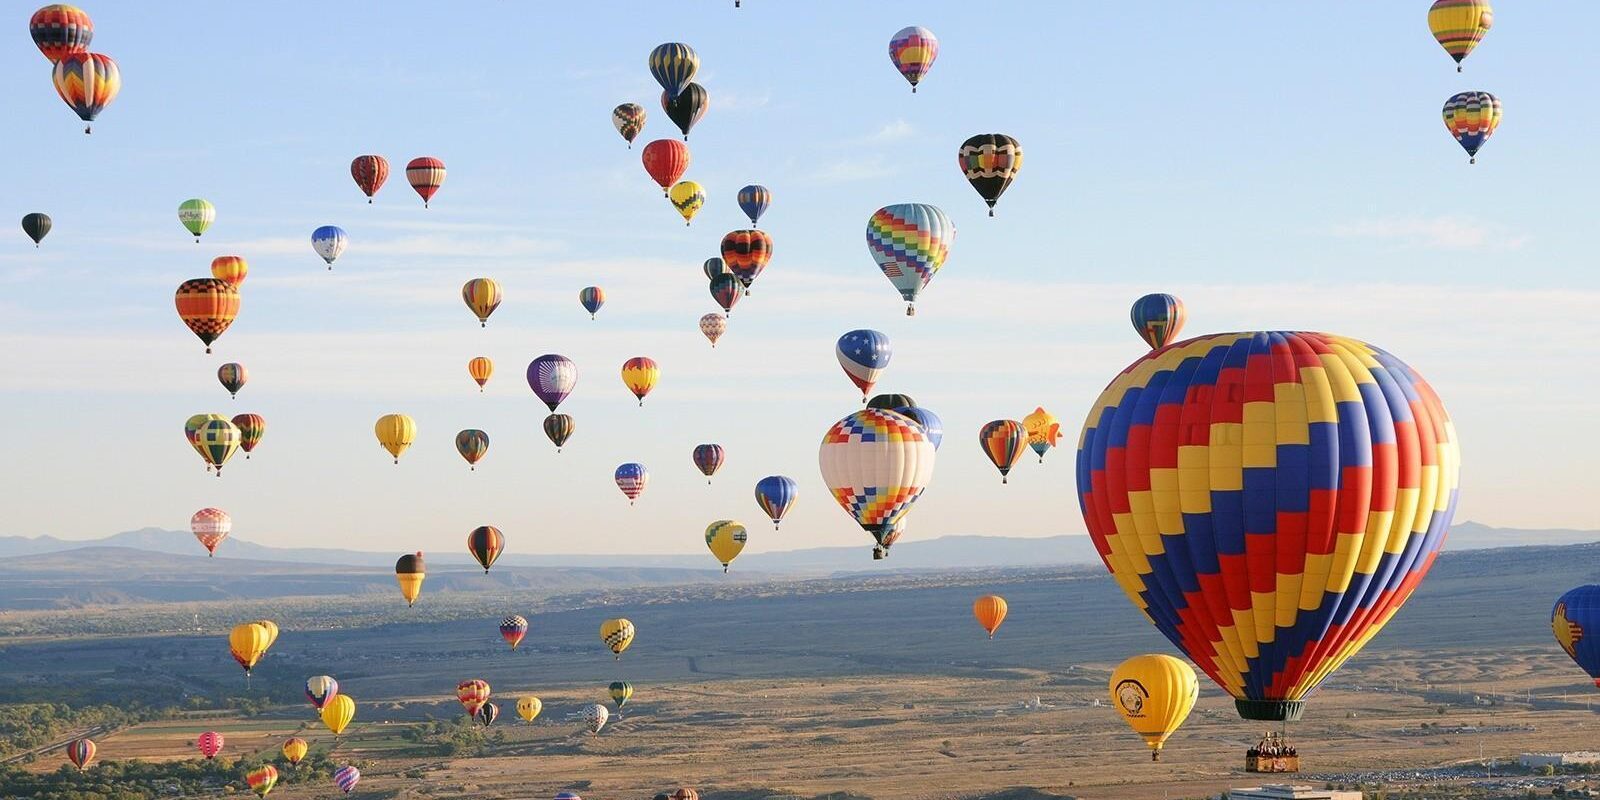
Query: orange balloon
[(990, 610)]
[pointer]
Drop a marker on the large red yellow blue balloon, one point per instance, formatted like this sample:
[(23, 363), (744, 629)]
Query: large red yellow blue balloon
[(1269, 500)]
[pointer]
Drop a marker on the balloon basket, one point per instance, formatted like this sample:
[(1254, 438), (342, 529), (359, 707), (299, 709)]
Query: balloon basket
[(1273, 754)]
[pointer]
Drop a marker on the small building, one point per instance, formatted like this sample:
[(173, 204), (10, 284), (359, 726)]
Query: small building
[(1287, 792), (1537, 760)]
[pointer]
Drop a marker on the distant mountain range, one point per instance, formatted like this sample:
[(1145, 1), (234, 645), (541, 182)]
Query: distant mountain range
[(949, 552)]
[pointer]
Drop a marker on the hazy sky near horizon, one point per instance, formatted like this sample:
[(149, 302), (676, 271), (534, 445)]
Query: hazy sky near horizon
[(1273, 171)]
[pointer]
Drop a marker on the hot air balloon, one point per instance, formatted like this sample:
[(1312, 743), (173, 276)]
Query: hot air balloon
[(673, 65), (725, 538), (346, 778), (639, 374), (472, 694), (294, 749), (197, 214), (620, 692), (990, 610), (910, 242), (594, 718), (713, 326), (1001, 441), (558, 429), (1472, 118), (191, 431), (591, 298), (891, 401), (262, 779), (687, 107), (716, 267), (487, 714), (1158, 318), (688, 197), (1154, 694), (990, 161), (60, 30), (337, 713), (480, 368), (233, 377), (209, 744), (617, 635), (482, 295), (472, 444), (684, 793), (87, 83), (320, 689), (210, 526), (1270, 481), (329, 241), (426, 175), (665, 160), (708, 459), (552, 378), (80, 752), (753, 201), (513, 628), (217, 440), (208, 306), (37, 226), (913, 49), (864, 355), (369, 173), (248, 642), (395, 432), (1575, 620), (628, 119), (529, 707), (726, 290), (485, 543), (631, 479), (775, 493), (409, 572), (232, 269), (746, 252), (1459, 25), (1043, 431), (930, 422), (876, 464), (251, 428)]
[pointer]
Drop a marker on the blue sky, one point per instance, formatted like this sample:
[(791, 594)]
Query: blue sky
[(1274, 165)]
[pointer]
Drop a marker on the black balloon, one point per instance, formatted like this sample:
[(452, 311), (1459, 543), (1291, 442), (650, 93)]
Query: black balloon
[(687, 108), (37, 226)]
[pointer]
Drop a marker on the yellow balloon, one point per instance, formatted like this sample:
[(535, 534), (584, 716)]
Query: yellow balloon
[(617, 634), (687, 197), (1459, 25), (338, 712), (1154, 693), (726, 539), (295, 749), (248, 642), (529, 707), (395, 432), (1043, 431)]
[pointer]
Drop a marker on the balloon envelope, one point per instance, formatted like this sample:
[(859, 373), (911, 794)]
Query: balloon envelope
[(1230, 483), (1575, 620), (1154, 694)]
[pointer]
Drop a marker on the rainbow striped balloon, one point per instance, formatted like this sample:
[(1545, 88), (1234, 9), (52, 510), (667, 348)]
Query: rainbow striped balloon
[(1472, 118), (1269, 500), (913, 50), (1459, 25), (910, 242)]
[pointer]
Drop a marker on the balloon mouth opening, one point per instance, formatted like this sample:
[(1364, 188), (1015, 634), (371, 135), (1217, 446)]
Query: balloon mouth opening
[(1271, 710)]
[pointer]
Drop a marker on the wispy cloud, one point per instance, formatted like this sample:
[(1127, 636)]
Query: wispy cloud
[(892, 132), (1434, 233)]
